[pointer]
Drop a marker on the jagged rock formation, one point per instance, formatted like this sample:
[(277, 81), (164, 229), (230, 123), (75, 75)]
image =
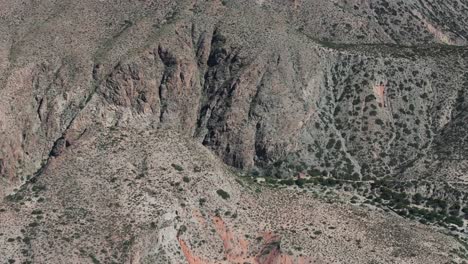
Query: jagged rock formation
[(256, 94)]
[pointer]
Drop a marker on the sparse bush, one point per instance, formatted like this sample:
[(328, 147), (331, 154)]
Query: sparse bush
[(33, 224), (181, 230), (436, 203), (38, 188), (300, 182), (94, 259), (454, 209), (270, 181), (314, 172), (327, 181), (454, 220), (418, 198), (223, 194), (202, 201), (255, 173), (288, 182), (177, 167)]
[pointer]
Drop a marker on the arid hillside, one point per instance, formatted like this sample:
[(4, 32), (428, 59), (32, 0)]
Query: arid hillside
[(157, 197), (106, 107)]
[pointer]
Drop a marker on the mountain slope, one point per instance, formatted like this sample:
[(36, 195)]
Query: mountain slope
[(101, 103), (147, 197)]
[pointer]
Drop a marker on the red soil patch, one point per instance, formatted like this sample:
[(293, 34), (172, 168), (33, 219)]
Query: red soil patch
[(236, 249), (189, 256), (379, 91)]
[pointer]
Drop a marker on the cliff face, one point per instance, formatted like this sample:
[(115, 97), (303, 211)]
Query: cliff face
[(278, 86)]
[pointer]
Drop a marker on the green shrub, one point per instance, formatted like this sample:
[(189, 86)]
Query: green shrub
[(38, 188), (454, 209), (327, 181), (94, 259), (314, 172), (454, 220), (255, 173), (202, 201), (300, 182), (181, 230), (270, 180), (465, 211), (177, 167), (288, 182), (223, 194), (418, 198), (437, 203)]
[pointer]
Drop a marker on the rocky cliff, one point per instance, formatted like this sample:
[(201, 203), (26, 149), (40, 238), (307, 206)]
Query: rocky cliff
[(348, 89)]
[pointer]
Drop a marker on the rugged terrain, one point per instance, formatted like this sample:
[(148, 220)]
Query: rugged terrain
[(157, 197), (349, 90)]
